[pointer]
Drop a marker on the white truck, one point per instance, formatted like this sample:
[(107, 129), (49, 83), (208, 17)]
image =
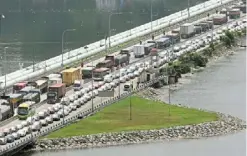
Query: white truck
[(139, 51), (78, 85), (187, 30), (54, 80)]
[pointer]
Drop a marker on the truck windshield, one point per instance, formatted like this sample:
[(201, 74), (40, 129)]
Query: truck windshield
[(22, 111), (51, 95), (77, 85), (97, 75)]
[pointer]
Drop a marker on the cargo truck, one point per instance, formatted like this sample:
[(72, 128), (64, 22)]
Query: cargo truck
[(55, 93), (220, 19), (121, 59), (148, 47), (174, 37), (70, 75), (187, 30), (5, 110), (163, 43), (139, 51), (234, 13), (54, 80), (86, 72)]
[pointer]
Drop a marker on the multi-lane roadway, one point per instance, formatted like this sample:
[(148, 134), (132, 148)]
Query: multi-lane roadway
[(43, 106)]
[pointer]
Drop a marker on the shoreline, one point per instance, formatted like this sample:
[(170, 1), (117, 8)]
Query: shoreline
[(222, 126), (226, 124)]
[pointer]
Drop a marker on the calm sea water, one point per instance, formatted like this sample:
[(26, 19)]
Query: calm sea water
[(220, 87), (32, 29)]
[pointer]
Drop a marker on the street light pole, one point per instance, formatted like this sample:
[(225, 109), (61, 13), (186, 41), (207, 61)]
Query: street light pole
[(5, 69), (188, 8), (67, 30), (92, 83), (151, 14), (1, 17), (109, 24)]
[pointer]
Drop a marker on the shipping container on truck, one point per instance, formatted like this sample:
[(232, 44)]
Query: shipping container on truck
[(121, 60), (220, 19), (187, 30), (163, 43), (148, 47), (234, 13), (42, 85), (70, 75), (54, 80), (86, 72), (18, 86), (107, 63), (56, 92), (174, 37), (139, 51), (5, 110)]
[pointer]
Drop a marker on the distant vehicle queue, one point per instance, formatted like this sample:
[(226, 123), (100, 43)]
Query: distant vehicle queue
[(54, 85)]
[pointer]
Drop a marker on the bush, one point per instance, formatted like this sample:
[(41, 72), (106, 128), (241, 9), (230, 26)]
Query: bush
[(194, 59)]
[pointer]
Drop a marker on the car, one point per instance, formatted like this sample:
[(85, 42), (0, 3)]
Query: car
[(108, 86), (36, 126), (21, 133), (16, 135), (136, 73), (41, 115), (176, 48), (74, 107), (131, 75), (65, 101), (2, 134), (116, 81), (102, 88), (78, 94), (19, 126), (51, 109), (29, 120), (183, 46), (122, 79), (13, 129), (44, 122), (67, 111), (3, 141), (10, 138), (72, 98), (87, 97), (108, 78), (49, 119), (27, 129), (96, 92), (82, 92), (77, 103), (55, 117), (127, 77), (82, 100), (113, 84), (60, 113), (24, 123)]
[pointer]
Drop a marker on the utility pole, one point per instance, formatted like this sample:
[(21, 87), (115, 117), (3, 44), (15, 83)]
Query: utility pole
[(1, 17), (67, 30), (5, 69), (130, 102), (188, 8), (151, 14)]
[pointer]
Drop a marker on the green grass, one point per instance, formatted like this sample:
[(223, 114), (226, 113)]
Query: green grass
[(146, 114)]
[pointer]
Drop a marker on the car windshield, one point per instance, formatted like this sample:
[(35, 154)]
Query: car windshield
[(22, 111)]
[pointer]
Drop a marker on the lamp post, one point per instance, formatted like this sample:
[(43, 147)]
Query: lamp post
[(5, 69), (188, 8), (91, 83), (109, 24), (151, 14), (1, 17), (67, 30)]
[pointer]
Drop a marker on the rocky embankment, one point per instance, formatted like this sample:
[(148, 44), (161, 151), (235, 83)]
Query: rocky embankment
[(226, 124)]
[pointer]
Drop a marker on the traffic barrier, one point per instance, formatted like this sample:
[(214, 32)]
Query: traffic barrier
[(55, 63)]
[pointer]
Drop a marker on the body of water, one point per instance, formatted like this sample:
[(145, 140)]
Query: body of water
[(221, 87), (32, 29)]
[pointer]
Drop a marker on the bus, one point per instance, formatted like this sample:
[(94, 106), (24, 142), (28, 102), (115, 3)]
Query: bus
[(19, 86), (99, 73), (25, 110), (32, 97)]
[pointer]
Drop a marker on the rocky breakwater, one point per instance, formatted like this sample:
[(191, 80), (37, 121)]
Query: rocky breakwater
[(225, 125)]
